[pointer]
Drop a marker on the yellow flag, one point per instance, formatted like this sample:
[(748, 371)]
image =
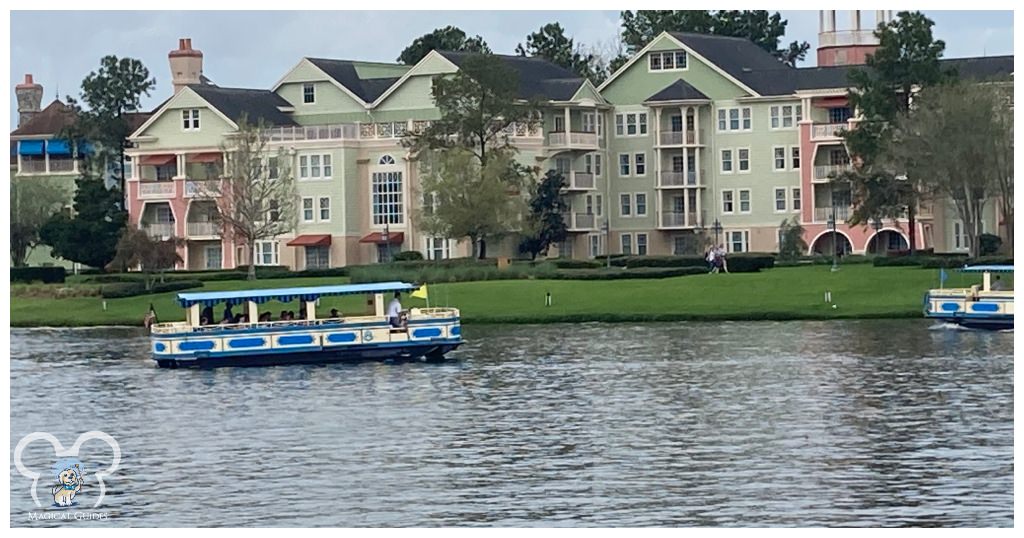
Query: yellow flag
[(420, 293)]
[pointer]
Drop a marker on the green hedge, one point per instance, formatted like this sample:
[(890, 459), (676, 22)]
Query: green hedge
[(429, 272), (619, 273), (120, 290), (408, 255), (937, 261), (577, 264), (47, 275)]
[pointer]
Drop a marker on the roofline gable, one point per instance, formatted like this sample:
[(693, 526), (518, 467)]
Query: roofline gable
[(329, 78), (689, 51), (408, 74), (138, 132), (586, 83)]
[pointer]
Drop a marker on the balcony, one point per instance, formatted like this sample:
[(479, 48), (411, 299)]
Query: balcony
[(157, 190), (679, 138), (161, 230), (827, 131), (822, 214), (573, 140), (580, 222), (202, 189), (63, 165), (580, 181), (343, 131), (823, 172), (677, 220), (195, 230), (676, 180)]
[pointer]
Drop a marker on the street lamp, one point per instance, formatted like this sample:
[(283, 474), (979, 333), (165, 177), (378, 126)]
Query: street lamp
[(717, 228), (835, 240), (877, 225), (607, 243), (386, 237)]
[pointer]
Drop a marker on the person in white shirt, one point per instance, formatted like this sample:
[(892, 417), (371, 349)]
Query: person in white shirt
[(395, 311)]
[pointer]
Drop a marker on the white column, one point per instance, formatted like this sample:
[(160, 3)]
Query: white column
[(46, 159), (855, 19), (568, 128), (193, 316), (310, 310), (254, 311)]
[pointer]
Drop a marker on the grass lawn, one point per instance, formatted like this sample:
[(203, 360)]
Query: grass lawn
[(859, 291)]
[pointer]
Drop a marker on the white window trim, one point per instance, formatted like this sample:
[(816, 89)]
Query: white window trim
[(384, 169), (785, 199), (625, 123), (303, 99), (740, 129), (275, 252), (429, 247), (193, 119), (633, 165), (662, 53), (618, 165), (647, 243), (721, 202), (736, 152), (319, 209), (631, 244), (794, 199), (312, 206), (785, 159), (789, 157), (746, 240), (628, 204), (636, 207), (750, 202), (721, 160), (795, 117), (309, 166)]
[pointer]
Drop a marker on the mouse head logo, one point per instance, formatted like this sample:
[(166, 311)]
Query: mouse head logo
[(68, 473)]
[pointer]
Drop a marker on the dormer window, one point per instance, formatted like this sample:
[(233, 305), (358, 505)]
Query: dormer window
[(672, 60), (190, 119), (308, 93)]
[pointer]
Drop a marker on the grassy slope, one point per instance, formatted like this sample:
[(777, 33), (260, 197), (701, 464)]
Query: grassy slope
[(782, 293)]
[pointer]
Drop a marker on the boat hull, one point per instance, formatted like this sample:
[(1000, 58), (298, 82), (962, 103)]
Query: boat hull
[(407, 351), (971, 309)]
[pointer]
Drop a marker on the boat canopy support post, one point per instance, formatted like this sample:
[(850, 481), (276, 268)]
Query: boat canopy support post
[(254, 311), (987, 281), (310, 310), (378, 305), (192, 315)]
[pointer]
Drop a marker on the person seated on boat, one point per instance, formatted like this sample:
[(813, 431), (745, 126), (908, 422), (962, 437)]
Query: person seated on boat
[(264, 317), (291, 315), (335, 313), (396, 317), (997, 285), (284, 316), (206, 315)]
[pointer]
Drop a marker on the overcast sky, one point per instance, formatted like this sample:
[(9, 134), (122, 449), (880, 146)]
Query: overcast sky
[(254, 49)]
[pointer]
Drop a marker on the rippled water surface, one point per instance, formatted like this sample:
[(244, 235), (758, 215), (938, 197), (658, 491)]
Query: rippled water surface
[(731, 424)]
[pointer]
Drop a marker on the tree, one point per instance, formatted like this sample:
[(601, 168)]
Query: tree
[(1002, 153), (135, 248), (947, 141), (906, 60), (447, 38), (545, 222), (109, 96), (551, 43), (641, 27), (89, 235), (464, 199), (33, 202), (257, 198), (791, 239), (477, 105)]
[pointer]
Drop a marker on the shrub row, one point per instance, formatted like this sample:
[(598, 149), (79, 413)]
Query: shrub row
[(618, 273), (577, 264), (737, 263), (935, 262), (440, 273), (47, 275), (120, 290)]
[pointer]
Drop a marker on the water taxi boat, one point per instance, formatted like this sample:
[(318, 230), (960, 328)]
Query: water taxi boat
[(977, 307), (428, 332)]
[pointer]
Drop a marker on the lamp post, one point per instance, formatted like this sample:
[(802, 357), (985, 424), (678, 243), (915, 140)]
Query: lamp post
[(877, 225), (698, 232), (607, 243), (717, 228), (386, 237)]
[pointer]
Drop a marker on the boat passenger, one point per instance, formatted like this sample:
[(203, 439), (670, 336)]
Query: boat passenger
[(291, 315), (284, 315), (998, 285), (207, 315), (264, 317), (335, 313), (395, 317)]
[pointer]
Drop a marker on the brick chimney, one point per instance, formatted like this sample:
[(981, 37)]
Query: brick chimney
[(30, 98), (186, 64)]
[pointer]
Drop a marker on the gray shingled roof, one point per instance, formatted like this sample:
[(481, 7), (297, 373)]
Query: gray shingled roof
[(255, 104), (538, 78), (344, 72), (677, 91)]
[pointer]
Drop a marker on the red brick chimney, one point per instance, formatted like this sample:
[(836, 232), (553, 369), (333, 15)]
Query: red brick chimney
[(186, 64), (30, 99)]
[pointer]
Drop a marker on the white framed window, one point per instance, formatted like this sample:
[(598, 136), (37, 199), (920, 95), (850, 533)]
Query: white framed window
[(600, 124), (625, 205), (595, 245), (738, 240), (631, 124), (386, 160), (959, 235), (599, 204), (386, 198), (785, 116), (273, 211), (597, 164), (316, 166), (743, 159), (779, 158), (325, 208), (588, 163), (641, 244), (318, 257), (624, 165), (267, 253), (190, 119), (640, 164), (308, 93), (437, 248), (728, 205), (307, 209), (626, 243), (727, 161), (672, 60), (747, 118), (559, 124), (734, 119), (795, 200), (641, 204), (589, 122), (794, 157), (780, 199), (273, 168), (744, 195)]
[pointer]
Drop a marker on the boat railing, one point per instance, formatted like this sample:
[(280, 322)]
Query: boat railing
[(178, 327)]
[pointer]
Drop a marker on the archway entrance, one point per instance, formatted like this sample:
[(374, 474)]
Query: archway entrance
[(830, 243), (886, 240)]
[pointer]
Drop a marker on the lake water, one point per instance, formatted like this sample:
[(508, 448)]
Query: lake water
[(889, 423)]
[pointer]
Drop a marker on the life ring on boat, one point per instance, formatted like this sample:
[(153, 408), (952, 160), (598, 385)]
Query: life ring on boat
[(368, 335)]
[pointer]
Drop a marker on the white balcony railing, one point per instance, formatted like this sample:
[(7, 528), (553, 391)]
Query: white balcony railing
[(202, 229), (580, 221), (822, 214), (33, 167), (678, 138), (827, 131), (160, 230), (679, 179), (572, 139), (157, 189), (581, 180), (291, 133), (673, 219), (825, 171), (62, 165), (202, 189)]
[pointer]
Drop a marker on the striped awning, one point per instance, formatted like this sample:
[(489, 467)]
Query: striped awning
[(58, 147), (157, 160), (30, 147)]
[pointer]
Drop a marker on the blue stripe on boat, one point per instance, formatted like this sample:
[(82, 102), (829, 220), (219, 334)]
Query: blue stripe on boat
[(985, 307), (295, 340), (246, 342), (159, 347), (341, 337), (456, 331), (426, 333), (196, 345), (950, 307)]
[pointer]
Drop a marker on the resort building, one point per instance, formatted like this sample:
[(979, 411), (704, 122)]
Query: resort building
[(696, 136)]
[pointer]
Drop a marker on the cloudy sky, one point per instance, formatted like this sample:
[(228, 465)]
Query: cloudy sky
[(61, 47)]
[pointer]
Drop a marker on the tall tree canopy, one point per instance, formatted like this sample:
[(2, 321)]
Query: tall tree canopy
[(551, 43), (545, 223), (763, 28), (906, 60), (33, 202), (89, 236), (136, 248), (447, 38)]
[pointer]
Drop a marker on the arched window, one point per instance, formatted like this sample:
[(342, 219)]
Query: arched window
[(386, 159)]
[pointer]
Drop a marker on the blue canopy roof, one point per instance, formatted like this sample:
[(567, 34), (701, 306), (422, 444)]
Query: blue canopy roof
[(988, 269), (30, 147), (286, 295), (58, 147)]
